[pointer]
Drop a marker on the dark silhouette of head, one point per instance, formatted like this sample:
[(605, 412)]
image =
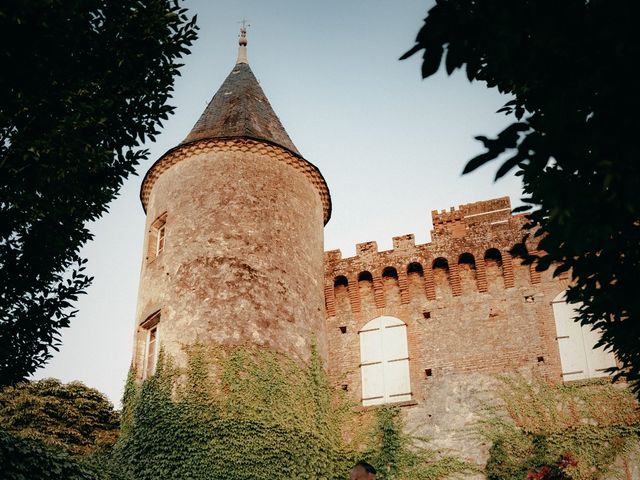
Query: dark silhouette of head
[(363, 471)]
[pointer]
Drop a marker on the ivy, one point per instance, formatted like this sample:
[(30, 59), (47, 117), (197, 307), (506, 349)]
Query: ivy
[(591, 423), (400, 456), (248, 412)]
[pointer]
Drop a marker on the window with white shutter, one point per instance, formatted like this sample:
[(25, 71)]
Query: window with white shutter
[(157, 237), (149, 331), (384, 361), (576, 343)]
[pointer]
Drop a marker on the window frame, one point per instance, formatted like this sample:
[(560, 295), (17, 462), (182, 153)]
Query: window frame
[(157, 237), (583, 339), (369, 358), (150, 326)]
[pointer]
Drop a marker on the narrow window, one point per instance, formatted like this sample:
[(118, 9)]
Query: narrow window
[(150, 361), (157, 236), (160, 243), (149, 333)]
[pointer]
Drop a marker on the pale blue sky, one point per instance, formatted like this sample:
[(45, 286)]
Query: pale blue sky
[(390, 145)]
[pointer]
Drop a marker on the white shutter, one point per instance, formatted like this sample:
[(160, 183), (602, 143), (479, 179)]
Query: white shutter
[(395, 342), (398, 387), (372, 384), (570, 342), (370, 345), (576, 343), (384, 361), (599, 360)]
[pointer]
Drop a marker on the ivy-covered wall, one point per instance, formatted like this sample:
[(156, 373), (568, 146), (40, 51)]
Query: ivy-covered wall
[(238, 413), (587, 430)]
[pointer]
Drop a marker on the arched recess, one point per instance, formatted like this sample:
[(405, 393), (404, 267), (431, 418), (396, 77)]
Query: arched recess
[(365, 288), (415, 280), (467, 269), (578, 357), (391, 286), (441, 277), (341, 293), (384, 361), (493, 267)]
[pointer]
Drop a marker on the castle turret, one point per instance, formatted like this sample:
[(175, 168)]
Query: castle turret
[(234, 244)]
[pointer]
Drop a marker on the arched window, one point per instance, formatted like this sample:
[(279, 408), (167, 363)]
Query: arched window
[(578, 356), (384, 361)]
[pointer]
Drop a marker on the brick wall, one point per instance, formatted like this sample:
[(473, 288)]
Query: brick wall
[(468, 305)]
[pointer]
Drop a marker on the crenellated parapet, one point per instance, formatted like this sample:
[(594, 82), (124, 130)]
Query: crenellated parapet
[(456, 222), (466, 303), (469, 253)]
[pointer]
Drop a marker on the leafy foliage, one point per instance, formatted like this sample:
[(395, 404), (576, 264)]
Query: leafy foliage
[(242, 412), (72, 416), (83, 84), (561, 431), (399, 456), (235, 414), (570, 68), (29, 459)]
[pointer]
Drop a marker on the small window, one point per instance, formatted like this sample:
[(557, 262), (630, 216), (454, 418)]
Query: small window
[(149, 331), (160, 242), (157, 236)]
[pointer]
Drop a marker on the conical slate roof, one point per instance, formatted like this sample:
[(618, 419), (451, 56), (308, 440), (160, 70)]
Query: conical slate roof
[(241, 109)]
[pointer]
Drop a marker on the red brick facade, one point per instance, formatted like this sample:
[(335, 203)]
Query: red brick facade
[(468, 305)]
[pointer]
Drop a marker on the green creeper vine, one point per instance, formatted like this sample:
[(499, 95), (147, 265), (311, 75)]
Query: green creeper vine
[(400, 456), (584, 427), (247, 412)]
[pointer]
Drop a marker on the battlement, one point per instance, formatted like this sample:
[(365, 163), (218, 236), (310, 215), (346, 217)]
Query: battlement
[(469, 251), (456, 221)]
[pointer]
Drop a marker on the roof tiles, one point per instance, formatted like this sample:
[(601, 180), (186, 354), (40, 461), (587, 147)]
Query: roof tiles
[(240, 109)]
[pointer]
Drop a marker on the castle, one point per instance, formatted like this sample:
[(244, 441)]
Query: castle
[(234, 256)]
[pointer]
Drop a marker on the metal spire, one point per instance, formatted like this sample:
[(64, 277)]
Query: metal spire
[(242, 42)]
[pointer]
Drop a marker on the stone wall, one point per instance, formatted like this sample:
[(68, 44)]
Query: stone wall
[(471, 310), (242, 259)]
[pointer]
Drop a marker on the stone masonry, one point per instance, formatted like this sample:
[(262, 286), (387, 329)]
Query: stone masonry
[(471, 310)]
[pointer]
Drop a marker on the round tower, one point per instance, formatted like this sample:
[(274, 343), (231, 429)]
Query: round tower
[(234, 243)]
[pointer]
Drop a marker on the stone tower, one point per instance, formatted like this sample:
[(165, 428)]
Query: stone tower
[(234, 244)]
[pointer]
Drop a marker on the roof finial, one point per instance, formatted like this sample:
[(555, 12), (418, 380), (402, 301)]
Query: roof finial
[(242, 49)]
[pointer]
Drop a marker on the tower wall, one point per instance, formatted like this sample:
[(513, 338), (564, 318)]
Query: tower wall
[(242, 262)]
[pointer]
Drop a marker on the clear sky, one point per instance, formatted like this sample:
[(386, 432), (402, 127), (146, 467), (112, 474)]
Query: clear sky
[(390, 145)]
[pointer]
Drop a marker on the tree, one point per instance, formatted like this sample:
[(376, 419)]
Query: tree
[(83, 84), (570, 69), (23, 458), (79, 419)]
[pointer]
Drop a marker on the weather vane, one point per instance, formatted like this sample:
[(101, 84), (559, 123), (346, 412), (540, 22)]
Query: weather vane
[(242, 50), (245, 23)]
